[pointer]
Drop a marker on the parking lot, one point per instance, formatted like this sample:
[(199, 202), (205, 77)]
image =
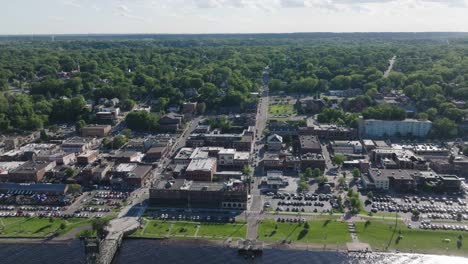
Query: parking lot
[(291, 202), (433, 207), (90, 204)]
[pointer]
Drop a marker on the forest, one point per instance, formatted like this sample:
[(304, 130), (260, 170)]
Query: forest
[(44, 82)]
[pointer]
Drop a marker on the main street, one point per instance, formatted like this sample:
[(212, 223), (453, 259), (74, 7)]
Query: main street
[(138, 197), (253, 214)]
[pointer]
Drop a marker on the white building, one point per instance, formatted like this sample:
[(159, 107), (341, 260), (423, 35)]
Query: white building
[(388, 128), (226, 157)]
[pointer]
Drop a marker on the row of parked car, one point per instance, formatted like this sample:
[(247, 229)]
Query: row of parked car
[(428, 225), (288, 203), (290, 220), (111, 195), (300, 197), (196, 218), (422, 208)]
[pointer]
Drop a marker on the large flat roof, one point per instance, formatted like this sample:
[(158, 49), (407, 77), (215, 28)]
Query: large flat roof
[(32, 187), (201, 164)]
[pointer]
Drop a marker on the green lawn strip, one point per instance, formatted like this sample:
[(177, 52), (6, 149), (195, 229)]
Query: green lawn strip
[(30, 227), (383, 234), (183, 229), (222, 231), (321, 231), (180, 229), (287, 109), (153, 229), (38, 227)]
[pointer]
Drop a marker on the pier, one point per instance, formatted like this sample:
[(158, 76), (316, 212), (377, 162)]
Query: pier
[(103, 251)]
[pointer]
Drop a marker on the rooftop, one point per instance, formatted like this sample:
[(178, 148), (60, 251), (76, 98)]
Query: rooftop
[(309, 142), (396, 174), (201, 164)]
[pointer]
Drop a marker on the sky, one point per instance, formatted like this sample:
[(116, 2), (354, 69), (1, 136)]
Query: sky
[(230, 16)]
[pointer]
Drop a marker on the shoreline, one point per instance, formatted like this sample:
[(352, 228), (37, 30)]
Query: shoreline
[(222, 244)]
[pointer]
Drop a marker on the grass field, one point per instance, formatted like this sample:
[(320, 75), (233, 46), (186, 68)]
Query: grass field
[(323, 232), (282, 109), (223, 230), (184, 229), (161, 229), (37, 227), (380, 235)]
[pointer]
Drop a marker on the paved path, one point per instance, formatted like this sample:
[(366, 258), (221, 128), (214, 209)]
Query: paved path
[(390, 66), (73, 233)]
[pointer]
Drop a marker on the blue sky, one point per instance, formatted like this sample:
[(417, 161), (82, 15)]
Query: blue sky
[(230, 16)]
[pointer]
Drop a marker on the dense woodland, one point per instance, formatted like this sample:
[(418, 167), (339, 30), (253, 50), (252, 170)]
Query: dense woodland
[(223, 71)]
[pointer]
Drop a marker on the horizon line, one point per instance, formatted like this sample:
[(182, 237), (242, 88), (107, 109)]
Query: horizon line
[(239, 33)]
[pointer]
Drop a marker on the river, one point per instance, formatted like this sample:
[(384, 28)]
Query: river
[(154, 251)]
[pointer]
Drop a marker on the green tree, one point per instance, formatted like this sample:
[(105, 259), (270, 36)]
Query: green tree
[(119, 141), (339, 159), (342, 182), (444, 128), (79, 125), (74, 188), (308, 173), (99, 226), (127, 104), (317, 173), (246, 170), (356, 173)]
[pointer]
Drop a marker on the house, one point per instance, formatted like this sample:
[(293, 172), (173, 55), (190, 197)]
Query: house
[(96, 130), (374, 128), (226, 157), (273, 181), (312, 160), (328, 131), (189, 109), (157, 152), (400, 180), (275, 142), (171, 122), (79, 144), (87, 157), (345, 93), (312, 105), (107, 113), (346, 147), (272, 161), (96, 172), (309, 144), (130, 175), (61, 157), (31, 171), (231, 194), (201, 169), (7, 166), (127, 157)]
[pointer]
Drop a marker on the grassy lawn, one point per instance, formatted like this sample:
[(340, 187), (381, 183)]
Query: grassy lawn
[(153, 229), (280, 109), (223, 230), (380, 234), (37, 227), (176, 229), (323, 232), (184, 229)]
